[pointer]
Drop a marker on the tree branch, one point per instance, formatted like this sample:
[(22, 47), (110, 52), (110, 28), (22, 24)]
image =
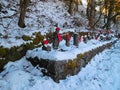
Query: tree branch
[(9, 16), (110, 19)]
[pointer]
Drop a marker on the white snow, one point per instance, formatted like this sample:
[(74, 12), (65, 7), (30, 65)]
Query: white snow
[(69, 53), (102, 73), (42, 17)]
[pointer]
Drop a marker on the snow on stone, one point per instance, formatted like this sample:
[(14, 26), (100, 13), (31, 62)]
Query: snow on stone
[(70, 53), (101, 73)]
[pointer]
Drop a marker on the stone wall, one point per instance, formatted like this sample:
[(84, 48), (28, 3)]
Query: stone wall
[(61, 69), (13, 54)]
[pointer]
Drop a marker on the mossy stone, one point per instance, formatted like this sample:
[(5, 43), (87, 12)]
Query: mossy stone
[(3, 52), (26, 38)]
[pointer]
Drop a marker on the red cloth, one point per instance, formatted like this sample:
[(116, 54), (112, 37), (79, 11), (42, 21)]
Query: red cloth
[(45, 42), (59, 37), (119, 36), (81, 39), (68, 37), (100, 31), (57, 29), (96, 37), (108, 31)]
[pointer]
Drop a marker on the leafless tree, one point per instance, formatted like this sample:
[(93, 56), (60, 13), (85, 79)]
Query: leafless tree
[(90, 12), (23, 7)]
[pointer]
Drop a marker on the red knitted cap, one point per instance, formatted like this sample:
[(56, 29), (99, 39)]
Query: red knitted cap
[(45, 42), (57, 29)]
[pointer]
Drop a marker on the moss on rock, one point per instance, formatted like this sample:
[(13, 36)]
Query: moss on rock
[(38, 38), (26, 38), (3, 52)]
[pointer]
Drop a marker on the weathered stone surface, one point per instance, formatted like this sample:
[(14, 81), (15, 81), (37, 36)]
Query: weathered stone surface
[(58, 70)]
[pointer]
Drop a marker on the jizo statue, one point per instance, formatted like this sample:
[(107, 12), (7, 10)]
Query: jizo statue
[(75, 39)]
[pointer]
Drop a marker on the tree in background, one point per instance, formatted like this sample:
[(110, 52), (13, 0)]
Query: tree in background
[(73, 5), (99, 4), (23, 6), (77, 3), (106, 2), (109, 8), (70, 6), (112, 8), (90, 13), (109, 5)]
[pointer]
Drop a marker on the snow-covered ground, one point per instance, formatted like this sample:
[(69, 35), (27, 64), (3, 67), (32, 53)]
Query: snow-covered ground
[(102, 73), (42, 17)]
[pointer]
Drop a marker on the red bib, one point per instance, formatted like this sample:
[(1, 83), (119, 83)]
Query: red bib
[(59, 37), (68, 37)]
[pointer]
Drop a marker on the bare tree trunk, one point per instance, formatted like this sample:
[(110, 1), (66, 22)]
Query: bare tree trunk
[(110, 13), (97, 20), (23, 6), (111, 7), (77, 3), (110, 19), (101, 8), (91, 13), (106, 3), (70, 6)]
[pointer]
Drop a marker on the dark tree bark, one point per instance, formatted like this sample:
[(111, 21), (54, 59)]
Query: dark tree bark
[(111, 8), (97, 20), (90, 13), (110, 16), (23, 6), (70, 6), (107, 25), (77, 2), (101, 8), (106, 4)]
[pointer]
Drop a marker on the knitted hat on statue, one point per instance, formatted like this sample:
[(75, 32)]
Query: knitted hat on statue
[(57, 29), (45, 41)]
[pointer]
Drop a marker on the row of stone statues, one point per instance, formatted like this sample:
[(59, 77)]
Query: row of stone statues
[(57, 38)]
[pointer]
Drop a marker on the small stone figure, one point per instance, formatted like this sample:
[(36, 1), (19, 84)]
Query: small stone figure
[(56, 38), (96, 37), (85, 39), (68, 39), (81, 39), (89, 36), (107, 32), (101, 31), (46, 47), (75, 39), (119, 36)]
